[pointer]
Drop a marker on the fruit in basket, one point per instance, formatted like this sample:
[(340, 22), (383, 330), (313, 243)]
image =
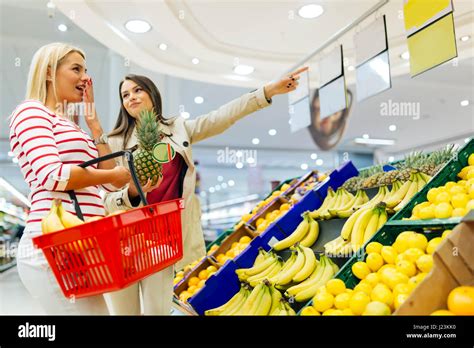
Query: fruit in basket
[(67, 219), (195, 283), (52, 222), (235, 249), (148, 135)]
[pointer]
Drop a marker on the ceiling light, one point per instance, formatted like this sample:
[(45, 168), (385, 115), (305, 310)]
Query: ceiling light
[(220, 178), (185, 115), (391, 159), (374, 141), (319, 162), (365, 136), (231, 183), (62, 27), (314, 156), (137, 26), (163, 46), (239, 165), (10, 154), (224, 185), (304, 166), (392, 128), (405, 55), (199, 100), (217, 187), (212, 190), (242, 69), (255, 141), (310, 11), (195, 61), (250, 160), (465, 102), (272, 132), (351, 68), (465, 38)]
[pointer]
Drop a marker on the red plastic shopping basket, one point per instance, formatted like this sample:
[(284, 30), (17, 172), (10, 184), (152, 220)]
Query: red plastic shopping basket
[(111, 253)]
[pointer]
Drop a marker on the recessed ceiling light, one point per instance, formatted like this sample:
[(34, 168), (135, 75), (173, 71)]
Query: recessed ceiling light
[(319, 162), (185, 115), (62, 27), (231, 183), (365, 136), (199, 100), (310, 11), (351, 68), (465, 38), (220, 178), (163, 46), (250, 160), (239, 165), (255, 141), (465, 102), (272, 132), (224, 185), (195, 61), (314, 156), (137, 26), (304, 166), (392, 128), (212, 190), (391, 158), (242, 69), (405, 55)]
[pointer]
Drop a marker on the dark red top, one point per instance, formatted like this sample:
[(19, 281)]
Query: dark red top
[(170, 186)]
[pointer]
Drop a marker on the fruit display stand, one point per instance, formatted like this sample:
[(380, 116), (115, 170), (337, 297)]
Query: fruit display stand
[(450, 270)]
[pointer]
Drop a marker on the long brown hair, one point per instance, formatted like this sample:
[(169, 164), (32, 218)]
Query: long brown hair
[(125, 122)]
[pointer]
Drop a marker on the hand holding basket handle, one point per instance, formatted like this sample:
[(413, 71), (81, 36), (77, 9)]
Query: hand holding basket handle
[(129, 157)]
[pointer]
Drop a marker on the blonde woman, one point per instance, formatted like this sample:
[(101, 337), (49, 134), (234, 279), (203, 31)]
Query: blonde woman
[(49, 148), (139, 93)]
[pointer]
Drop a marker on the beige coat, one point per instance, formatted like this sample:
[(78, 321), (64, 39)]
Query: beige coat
[(184, 134)]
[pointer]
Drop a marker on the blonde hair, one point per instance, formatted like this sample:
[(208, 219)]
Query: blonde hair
[(48, 56)]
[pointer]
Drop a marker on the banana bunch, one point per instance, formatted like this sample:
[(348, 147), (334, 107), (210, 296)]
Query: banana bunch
[(299, 266), (283, 308), (233, 305), (341, 204), (401, 194), (266, 265), (306, 234), (325, 270), (58, 218)]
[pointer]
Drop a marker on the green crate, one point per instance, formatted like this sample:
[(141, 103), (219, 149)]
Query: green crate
[(447, 173), (386, 236)]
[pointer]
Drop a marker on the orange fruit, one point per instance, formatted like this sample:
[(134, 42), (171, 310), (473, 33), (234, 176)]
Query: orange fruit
[(461, 300), (245, 240), (203, 274), (211, 269), (193, 281)]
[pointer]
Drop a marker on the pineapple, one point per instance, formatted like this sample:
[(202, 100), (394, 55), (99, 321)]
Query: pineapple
[(407, 167), (373, 180), (354, 183), (389, 177), (148, 134), (436, 160)]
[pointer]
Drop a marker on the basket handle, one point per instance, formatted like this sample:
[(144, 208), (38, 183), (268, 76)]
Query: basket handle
[(129, 157)]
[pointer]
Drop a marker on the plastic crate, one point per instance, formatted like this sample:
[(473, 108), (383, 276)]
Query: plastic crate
[(447, 173)]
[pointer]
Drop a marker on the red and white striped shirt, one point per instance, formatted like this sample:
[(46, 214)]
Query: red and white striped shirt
[(46, 146)]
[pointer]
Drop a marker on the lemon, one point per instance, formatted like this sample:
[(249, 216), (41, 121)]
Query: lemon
[(442, 312), (259, 221), (377, 308), (177, 280), (184, 296), (443, 197), (443, 210), (342, 301), (321, 289), (333, 311), (445, 234), (459, 200), (412, 254), (247, 217), (192, 289), (323, 301), (360, 269), (193, 281), (417, 279), (284, 207), (392, 279), (335, 286), (459, 212), (433, 244), (386, 268), (245, 240), (406, 267), (449, 184), (372, 279), (425, 263), (383, 294), (427, 212), (419, 206), (431, 195), (363, 287), (358, 302), (347, 311), (310, 310), (418, 240), (389, 254), (374, 261), (201, 283), (284, 187), (400, 246), (403, 288), (373, 247), (470, 174), (399, 299)]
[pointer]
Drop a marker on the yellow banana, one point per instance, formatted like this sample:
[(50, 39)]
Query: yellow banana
[(287, 276), (409, 195), (276, 297), (297, 235), (420, 181), (308, 293), (334, 202), (425, 177), (288, 263), (371, 226), (253, 280), (310, 264), (396, 197), (265, 304), (312, 235), (289, 310), (245, 273), (347, 200), (329, 197), (360, 199), (237, 298), (382, 219), (234, 309), (262, 255), (348, 227), (67, 219), (360, 225), (331, 247), (313, 279), (250, 301), (52, 222)]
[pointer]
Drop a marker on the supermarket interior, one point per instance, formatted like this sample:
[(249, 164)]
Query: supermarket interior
[(318, 158)]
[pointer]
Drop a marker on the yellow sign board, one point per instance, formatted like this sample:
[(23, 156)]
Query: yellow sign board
[(420, 13)]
